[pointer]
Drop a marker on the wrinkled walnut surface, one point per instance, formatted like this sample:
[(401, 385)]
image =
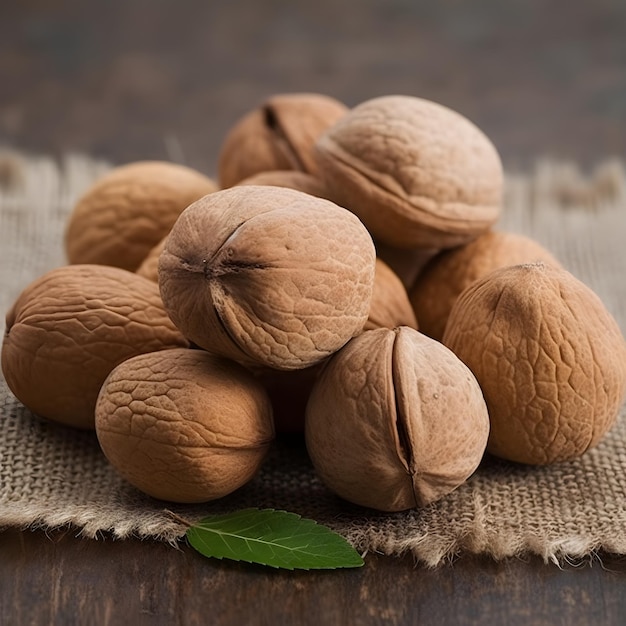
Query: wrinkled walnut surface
[(451, 271), (390, 306), (395, 421), (278, 135), (268, 276), (184, 426), (69, 328), (129, 210), (550, 359), (289, 391), (417, 173)]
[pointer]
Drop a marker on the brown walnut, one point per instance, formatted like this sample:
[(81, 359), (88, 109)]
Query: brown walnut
[(418, 174), (183, 425), (395, 421), (549, 357), (390, 306), (278, 135), (446, 275), (149, 267), (268, 276), (407, 263), (129, 210), (289, 391), (69, 328)]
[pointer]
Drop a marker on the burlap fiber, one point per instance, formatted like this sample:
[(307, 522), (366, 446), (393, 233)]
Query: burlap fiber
[(53, 476)]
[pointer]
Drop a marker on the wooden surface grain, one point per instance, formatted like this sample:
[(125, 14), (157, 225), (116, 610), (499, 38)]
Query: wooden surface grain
[(136, 79), (163, 78), (61, 579)]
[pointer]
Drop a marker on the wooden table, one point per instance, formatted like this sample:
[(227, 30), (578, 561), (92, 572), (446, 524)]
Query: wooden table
[(136, 79), (61, 579)]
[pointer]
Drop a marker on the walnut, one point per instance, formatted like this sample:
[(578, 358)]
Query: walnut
[(183, 425), (549, 357), (446, 275), (268, 276), (278, 135), (390, 306), (69, 328), (418, 174), (129, 210), (149, 267), (289, 391), (395, 421)]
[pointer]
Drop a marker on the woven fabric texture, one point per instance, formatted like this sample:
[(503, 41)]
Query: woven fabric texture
[(52, 476)]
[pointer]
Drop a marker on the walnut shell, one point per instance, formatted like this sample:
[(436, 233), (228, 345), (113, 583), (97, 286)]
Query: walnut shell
[(69, 328), (395, 421), (183, 425), (149, 267), (129, 210), (549, 357), (292, 179), (289, 391), (278, 135), (390, 306), (268, 276), (446, 275), (417, 173)]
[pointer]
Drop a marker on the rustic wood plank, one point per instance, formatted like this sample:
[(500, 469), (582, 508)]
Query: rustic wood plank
[(166, 80), (61, 579)]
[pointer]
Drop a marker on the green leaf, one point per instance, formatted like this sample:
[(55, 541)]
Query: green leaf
[(274, 538)]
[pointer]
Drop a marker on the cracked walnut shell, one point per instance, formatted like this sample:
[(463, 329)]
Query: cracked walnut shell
[(278, 135), (183, 425), (395, 421), (550, 359), (268, 276)]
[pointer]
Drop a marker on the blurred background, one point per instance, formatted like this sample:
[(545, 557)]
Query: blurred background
[(165, 79)]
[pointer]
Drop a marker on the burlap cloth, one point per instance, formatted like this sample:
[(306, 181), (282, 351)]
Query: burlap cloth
[(53, 476)]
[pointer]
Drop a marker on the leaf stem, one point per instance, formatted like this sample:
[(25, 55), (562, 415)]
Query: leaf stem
[(178, 518)]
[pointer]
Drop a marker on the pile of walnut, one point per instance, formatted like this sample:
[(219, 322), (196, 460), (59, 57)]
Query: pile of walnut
[(195, 322)]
